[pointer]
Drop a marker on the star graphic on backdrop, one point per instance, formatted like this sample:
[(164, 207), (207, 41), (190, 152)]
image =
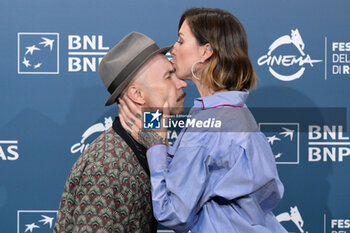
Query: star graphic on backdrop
[(26, 62), (31, 49), (47, 42), (272, 139), (288, 132), (156, 115), (30, 227), (37, 65), (46, 220)]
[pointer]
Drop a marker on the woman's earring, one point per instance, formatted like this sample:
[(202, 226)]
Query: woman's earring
[(192, 69)]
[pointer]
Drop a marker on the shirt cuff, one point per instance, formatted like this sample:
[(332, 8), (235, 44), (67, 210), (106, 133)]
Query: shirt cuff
[(157, 158)]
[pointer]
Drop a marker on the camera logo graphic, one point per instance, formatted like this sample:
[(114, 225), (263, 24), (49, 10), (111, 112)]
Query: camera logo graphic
[(151, 120)]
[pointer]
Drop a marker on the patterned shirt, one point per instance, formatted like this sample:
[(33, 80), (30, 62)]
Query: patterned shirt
[(107, 190)]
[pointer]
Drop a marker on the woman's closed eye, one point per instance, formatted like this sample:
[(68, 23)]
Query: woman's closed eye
[(179, 41)]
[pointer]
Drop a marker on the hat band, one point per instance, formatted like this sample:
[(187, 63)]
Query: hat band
[(131, 66)]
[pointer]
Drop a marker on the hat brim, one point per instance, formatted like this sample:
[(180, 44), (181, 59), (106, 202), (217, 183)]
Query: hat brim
[(113, 97)]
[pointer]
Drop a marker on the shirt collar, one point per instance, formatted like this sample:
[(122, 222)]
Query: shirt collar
[(137, 148), (226, 98)]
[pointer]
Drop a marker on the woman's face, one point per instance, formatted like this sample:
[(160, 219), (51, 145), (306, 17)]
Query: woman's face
[(186, 51)]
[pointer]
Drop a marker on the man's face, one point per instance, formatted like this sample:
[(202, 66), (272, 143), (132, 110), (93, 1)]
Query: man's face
[(163, 85)]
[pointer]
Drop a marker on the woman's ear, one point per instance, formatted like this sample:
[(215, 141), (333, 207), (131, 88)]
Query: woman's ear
[(136, 94), (207, 52)]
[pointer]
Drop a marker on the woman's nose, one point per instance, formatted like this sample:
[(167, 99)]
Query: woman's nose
[(172, 50)]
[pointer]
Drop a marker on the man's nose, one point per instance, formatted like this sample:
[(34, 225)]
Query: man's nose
[(182, 83)]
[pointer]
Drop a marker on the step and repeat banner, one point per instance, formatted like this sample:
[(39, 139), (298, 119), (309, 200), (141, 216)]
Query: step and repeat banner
[(52, 100)]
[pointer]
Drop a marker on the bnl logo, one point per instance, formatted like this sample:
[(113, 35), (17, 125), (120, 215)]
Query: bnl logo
[(38, 53), (35, 221), (151, 120), (284, 141)]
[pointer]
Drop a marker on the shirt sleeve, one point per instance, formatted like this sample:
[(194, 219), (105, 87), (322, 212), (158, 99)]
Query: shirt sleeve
[(177, 188)]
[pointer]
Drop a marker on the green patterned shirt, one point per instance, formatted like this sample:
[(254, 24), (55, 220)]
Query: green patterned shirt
[(107, 191)]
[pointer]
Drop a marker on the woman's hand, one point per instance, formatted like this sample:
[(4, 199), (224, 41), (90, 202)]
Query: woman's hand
[(130, 116)]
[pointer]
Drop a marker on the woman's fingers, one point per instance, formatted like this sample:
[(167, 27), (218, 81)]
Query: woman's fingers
[(131, 119), (128, 128), (134, 110), (165, 116), (166, 110)]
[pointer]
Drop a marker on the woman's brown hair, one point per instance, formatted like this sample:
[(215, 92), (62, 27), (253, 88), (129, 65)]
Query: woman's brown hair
[(229, 66)]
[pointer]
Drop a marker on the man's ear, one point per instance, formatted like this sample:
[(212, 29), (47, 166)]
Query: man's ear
[(136, 94), (207, 52)]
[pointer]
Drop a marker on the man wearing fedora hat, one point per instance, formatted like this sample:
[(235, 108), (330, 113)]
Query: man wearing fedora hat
[(108, 188)]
